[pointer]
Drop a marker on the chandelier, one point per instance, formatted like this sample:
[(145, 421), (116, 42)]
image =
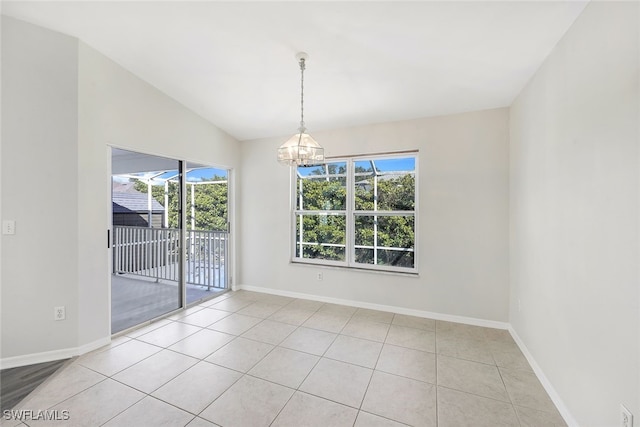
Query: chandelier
[(301, 149)]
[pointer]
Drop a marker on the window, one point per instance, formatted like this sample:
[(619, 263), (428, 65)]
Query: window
[(357, 212)]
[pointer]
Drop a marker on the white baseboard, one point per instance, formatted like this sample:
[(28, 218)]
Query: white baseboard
[(551, 391), (50, 356), (32, 359), (381, 307), (86, 348)]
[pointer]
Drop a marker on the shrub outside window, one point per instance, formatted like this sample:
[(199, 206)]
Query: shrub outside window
[(357, 212)]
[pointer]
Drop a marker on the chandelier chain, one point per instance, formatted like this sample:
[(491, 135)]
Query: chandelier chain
[(302, 67)]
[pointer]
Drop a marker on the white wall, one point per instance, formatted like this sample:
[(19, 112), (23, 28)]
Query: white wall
[(39, 188), (574, 215), (463, 235), (62, 104)]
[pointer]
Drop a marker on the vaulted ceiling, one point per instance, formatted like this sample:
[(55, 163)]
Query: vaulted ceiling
[(234, 62)]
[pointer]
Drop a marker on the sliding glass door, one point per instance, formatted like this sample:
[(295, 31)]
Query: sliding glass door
[(170, 239)]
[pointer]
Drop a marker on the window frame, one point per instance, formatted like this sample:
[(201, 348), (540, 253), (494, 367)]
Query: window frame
[(351, 214)]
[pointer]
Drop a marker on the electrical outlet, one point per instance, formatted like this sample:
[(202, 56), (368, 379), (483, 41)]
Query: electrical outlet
[(626, 417), (59, 313), (320, 276)]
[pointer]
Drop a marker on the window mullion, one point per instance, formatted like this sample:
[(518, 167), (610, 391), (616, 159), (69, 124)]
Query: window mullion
[(375, 217), (293, 185), (350, 237), (385, 213)]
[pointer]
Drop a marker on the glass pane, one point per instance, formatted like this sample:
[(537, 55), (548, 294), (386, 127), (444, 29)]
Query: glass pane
[(385, 184), (364, 231), (311, 170), (395, 258), (393, 237), (321, 236), (322, 187), (210, 191), (146, 241), (396, 192), (364, 255), (363, 167), (334, 168), (207, 250), (396, 232), (363, 193), (404, 164)]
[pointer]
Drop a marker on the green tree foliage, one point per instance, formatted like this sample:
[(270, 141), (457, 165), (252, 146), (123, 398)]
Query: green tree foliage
[(327, 195), (324, 228), (320, 194), (210, 203)]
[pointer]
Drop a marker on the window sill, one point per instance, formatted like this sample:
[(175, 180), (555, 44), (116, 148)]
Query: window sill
[(300, 263)]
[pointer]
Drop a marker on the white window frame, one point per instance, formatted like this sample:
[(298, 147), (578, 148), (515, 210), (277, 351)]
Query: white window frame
[(351, 215)]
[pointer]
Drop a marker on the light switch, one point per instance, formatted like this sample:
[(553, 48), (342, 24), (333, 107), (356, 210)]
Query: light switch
[(8, 226)]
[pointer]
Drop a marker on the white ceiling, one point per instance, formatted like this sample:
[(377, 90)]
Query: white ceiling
[(234, 62)]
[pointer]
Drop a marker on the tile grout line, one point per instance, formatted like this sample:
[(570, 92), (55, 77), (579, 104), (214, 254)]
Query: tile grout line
[(270, 351), (199, 361), (244, 374), (149, 395), (325, 351), (376, 364), (125, 409), (110, 377), (279, 345), (174, 377), (297, 389)]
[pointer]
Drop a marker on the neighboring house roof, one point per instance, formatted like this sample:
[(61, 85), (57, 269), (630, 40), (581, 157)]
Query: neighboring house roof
[(124, 187), (363, 181), (134, 202)]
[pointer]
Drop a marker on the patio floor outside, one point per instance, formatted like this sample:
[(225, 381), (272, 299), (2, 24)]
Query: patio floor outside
[(136, 299)]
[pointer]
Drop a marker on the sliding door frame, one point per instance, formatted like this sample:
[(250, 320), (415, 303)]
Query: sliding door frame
[(183, 233), (182, 215)]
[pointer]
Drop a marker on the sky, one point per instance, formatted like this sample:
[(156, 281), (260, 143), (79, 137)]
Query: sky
[(192, 175), (383, 165)]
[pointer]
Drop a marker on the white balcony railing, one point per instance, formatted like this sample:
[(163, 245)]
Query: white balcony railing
[(154, 253)]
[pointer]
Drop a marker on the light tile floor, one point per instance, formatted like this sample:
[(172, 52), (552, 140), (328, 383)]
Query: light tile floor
[(251, 359)]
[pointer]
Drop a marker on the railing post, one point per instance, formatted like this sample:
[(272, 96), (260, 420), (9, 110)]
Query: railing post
[(207, 261)]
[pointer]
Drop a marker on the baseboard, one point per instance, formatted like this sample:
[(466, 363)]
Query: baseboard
[(381, 307), (551, 391), (50, 356), (86, 348), (34, 358)]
